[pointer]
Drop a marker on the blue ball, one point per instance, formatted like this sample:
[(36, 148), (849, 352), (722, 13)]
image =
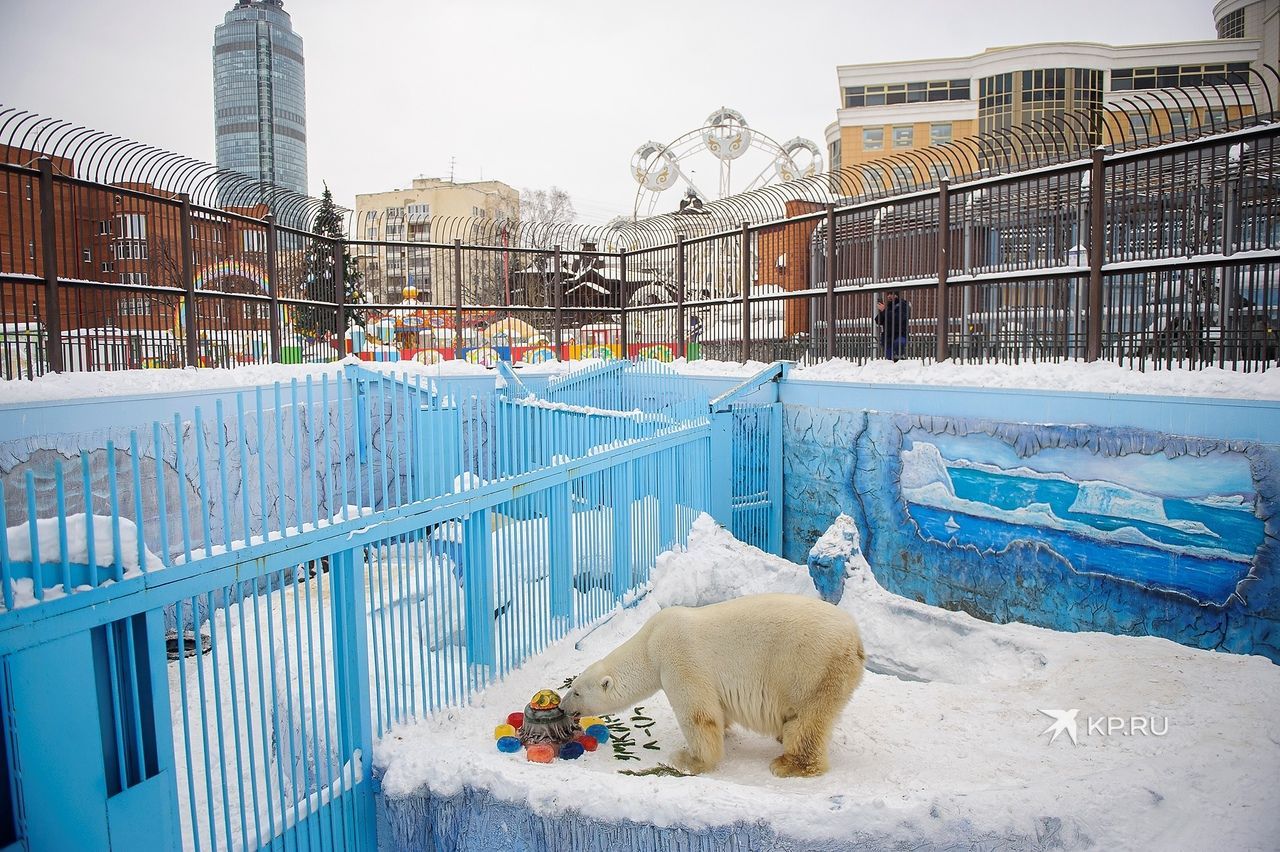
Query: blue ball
[(509, 744), (571, 751), (599, 732)]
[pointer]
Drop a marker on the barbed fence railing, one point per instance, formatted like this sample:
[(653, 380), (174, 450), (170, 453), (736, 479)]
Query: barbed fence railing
[(1154, 256)]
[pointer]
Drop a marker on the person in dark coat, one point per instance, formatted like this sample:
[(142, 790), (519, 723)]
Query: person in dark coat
[(893, 315)]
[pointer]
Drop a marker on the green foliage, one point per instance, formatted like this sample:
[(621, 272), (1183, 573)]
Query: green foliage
[(319, 275)]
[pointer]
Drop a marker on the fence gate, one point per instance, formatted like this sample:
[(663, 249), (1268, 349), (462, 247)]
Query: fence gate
[(747, 459)]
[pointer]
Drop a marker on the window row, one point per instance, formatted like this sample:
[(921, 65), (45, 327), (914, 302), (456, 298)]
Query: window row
[(1165, 76), (904, 136), (906, 93)]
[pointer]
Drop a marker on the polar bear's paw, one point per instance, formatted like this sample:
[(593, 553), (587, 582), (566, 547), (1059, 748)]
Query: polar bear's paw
[(688, 763), (787, 766)]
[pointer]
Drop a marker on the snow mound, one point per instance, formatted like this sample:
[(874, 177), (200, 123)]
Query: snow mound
[(712, 569)]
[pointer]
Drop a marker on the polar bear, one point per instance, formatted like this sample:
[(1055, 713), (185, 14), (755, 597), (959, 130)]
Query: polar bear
[(782, 665)]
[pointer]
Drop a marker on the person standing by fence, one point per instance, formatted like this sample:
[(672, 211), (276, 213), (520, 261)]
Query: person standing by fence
[(893, 315)]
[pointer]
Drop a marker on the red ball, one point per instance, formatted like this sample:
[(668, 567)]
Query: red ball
[(516, 720), (587, 742), (540, 753)]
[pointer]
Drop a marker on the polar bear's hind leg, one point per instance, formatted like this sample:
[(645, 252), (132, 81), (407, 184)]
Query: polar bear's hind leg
[(806, 734)]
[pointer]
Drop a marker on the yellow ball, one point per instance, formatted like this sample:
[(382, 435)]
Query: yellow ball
[(503, 730), (587, 721)]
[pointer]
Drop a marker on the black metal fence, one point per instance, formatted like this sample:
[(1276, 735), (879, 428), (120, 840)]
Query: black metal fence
[(1156, 257)]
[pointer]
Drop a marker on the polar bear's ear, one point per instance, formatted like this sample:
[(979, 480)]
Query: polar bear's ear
[(606, 682)]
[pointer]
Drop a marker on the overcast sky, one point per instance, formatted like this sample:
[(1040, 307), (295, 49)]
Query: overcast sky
[(530, 93)]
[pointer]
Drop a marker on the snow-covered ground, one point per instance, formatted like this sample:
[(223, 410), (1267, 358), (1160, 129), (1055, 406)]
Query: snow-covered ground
[(948, 741), (1074, 376)]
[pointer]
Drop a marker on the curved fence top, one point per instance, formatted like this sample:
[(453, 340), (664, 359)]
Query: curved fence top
[(104, 158)]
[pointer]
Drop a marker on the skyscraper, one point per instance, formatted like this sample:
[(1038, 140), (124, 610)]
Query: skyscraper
[(260, 120)]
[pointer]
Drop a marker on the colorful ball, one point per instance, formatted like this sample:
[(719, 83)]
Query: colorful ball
[(600, 732), (571, 751), (588, 743), (504, 731), (516, 720), (587, 721), (541, 753), (508, 745)]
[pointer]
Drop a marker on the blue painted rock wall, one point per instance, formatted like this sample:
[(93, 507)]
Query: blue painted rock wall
[(1112, 528)]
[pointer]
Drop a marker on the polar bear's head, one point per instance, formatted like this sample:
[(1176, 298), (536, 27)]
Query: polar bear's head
[(595, 691)]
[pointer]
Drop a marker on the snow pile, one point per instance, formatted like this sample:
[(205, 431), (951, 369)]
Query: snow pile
[(49, 536), (1064, 376), (710, 571), (945, 744)]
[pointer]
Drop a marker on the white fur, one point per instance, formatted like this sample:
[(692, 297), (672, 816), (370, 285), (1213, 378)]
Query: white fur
[(782, 665)]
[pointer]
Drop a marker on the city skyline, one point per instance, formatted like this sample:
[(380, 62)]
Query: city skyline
[(522, 95)]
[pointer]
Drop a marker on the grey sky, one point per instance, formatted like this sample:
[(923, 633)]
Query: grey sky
[(530, 93)]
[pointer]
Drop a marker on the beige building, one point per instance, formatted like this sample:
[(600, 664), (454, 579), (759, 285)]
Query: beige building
[(430, 210), (893, 107)]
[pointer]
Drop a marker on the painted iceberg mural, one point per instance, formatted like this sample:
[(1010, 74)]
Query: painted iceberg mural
[(1184, 525)]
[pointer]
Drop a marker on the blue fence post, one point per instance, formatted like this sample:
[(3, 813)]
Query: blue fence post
[(722, 468), (623, 494), (351, 686), (775, 478), (477, 578), (560, 549)]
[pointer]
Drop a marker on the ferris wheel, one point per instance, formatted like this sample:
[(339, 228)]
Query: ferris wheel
[(723, 157)]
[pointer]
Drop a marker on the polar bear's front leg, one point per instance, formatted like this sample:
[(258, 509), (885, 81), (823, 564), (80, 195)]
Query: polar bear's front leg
[(701, 720)]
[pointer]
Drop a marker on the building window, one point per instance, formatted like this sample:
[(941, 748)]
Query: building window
[(129, 250), (418, 212), (255, 241), (395, 231), (104, 227), (904, 136), (879, 94), (1215, 118), (257, 310), (134, 279), (873, 139), (1165, 76), (31, 249), (131, 226), (133, 306), (88, 255), (395, 212), (1231, 25), (833, 155), (940, 134), (903, 176)]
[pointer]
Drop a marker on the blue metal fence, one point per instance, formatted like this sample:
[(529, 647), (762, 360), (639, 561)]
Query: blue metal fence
[(202, 635)]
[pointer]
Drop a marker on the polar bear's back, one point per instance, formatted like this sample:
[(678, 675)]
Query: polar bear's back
[(764, 654)]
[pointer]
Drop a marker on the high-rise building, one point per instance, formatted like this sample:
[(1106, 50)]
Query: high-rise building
[(259, 95)]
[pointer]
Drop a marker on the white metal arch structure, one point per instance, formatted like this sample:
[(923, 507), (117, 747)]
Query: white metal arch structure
[(723, 157)]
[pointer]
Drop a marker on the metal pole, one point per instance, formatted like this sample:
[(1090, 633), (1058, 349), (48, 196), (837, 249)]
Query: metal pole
[(557, 317), (457, 299), (340, 294), (746, 292), (681, 345), (49, 255), (831, 282), (944, 263), (1097, 248), (188, 282), (273, 288), (622, 297)]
